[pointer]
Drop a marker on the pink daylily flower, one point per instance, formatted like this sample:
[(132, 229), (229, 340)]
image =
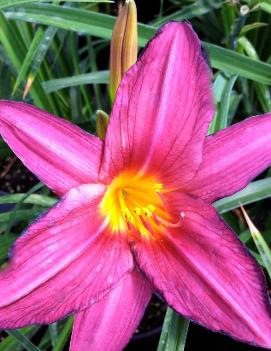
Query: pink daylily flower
[(135, 214)]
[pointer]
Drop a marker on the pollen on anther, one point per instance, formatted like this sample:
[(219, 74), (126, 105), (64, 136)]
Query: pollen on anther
[(158, 187), (135, 203)]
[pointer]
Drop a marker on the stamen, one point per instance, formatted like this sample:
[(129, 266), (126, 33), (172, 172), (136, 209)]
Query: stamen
[(151, 207), (147, 225), (158, 187), (162, 200), (170, 224), (138, 211), (133, 203), (147, 212), (129, 225), (155, 219), (124, 209)]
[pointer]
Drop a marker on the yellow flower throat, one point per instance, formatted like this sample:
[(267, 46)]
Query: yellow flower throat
[(134, 202)]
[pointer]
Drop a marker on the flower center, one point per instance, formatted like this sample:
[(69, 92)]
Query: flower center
[(134, 202)]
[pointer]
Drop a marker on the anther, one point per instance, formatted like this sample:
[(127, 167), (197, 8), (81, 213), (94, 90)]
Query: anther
[(127, 215), (148, 226), (158, 187), (138, 211), (151, 207), (147, 212)]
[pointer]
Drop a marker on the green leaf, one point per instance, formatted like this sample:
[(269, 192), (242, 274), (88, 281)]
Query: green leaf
[(100, 77), (174, 332), (221, 118), (13, 44), (21, 215), (247, 28), (34, 199), (53, 330), (219, 86), (240, 65), (101, 25), (255, 191), (8, 3), (64, 335), (23, 340), (39, 55), (18, 204), (228, 14), (9, 343), (73, 19), (260, 243), (262, 90), (6, 242), (198, 8), (265, 6), (29, 57)]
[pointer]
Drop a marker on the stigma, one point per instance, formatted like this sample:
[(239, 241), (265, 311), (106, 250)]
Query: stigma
[(133, 204)]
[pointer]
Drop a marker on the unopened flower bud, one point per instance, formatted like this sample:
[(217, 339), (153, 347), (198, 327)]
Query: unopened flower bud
[(102, 120), (123, 51)]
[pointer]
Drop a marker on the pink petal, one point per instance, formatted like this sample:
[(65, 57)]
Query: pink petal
[(110, 323), (232, 158), (60, 154), (204, 272), (64, 262), (162, 109)]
